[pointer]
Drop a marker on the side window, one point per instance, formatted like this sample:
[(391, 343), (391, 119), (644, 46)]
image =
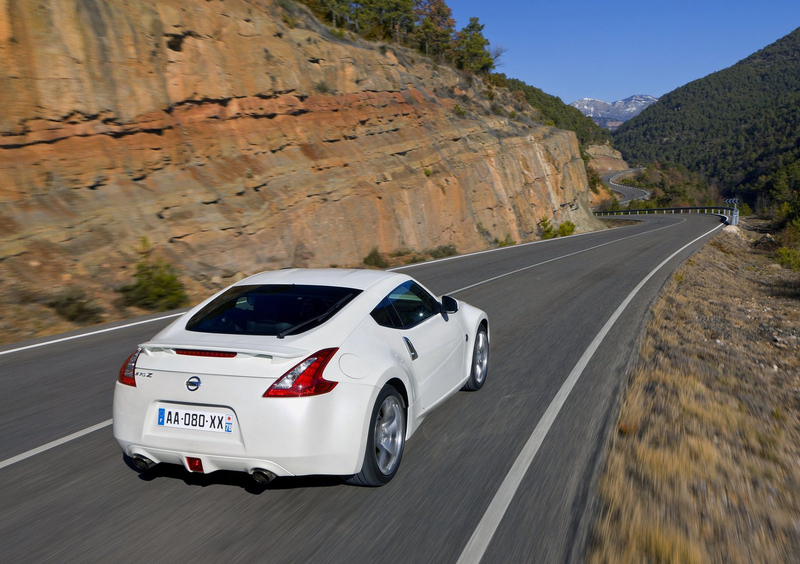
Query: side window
[(385, 314), (406, 306)]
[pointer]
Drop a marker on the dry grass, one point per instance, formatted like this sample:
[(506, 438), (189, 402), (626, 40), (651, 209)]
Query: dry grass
[(705, 466)]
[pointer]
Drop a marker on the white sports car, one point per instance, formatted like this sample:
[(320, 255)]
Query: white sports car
[(298, 372)]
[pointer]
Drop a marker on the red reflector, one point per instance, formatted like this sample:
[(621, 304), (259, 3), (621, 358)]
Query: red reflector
[(195, 464), (215, 354)]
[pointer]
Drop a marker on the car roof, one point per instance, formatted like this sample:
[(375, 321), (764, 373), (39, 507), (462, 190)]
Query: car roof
[(359, 279)]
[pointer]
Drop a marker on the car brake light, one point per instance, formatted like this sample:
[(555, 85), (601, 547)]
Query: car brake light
[(305, 379), (214, 354), (126, 373)]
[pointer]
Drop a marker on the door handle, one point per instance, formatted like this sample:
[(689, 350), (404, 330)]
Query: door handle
[(411, 350)]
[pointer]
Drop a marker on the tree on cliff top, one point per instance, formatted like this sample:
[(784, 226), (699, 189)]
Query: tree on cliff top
[(435, 27), (470, 48)]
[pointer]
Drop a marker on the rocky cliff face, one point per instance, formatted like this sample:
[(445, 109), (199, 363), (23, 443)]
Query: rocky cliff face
[(605, 159), (240, 136)]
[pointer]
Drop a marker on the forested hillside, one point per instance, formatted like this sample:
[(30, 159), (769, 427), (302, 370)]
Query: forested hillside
[(428, 26), (555, 112), (740, 127)]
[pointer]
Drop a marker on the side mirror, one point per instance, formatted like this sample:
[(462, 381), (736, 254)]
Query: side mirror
[(449, 305)]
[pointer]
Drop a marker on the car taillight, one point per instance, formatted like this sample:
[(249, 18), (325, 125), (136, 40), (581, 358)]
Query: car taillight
[(126, 373), (305, 379)]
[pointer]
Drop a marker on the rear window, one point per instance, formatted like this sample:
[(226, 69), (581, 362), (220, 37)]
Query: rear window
[(276, 309)]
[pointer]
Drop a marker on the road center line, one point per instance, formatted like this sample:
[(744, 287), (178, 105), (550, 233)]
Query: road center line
[(125, 326), (560, 257), (78, 434), (479, 541), (53, 444)]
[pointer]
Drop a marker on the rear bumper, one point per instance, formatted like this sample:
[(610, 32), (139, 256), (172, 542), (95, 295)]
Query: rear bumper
[(323, 434)]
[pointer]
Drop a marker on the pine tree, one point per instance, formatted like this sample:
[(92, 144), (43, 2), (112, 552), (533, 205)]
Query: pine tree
[(470, 48), (435, 27)]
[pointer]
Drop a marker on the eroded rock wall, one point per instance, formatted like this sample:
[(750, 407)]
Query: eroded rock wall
[(239, 136)]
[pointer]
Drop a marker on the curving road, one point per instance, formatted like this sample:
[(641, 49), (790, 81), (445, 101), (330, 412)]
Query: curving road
[(628, 193), (470, 488)]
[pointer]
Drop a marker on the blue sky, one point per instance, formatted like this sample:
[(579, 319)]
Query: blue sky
[(611, 50)]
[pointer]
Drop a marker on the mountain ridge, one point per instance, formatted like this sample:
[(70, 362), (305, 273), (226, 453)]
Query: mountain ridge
[(613, 114)]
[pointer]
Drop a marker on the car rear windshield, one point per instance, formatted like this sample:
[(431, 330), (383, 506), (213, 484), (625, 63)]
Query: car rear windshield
[(275, 309)]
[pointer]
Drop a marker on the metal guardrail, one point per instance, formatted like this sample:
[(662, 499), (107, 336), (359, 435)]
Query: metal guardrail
[(731, 215)]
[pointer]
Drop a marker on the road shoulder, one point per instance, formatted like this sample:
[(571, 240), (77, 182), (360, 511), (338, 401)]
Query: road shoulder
[(704, 462)]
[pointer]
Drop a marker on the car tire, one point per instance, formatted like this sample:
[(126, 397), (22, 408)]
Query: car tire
[(480, 361), (385, 441)]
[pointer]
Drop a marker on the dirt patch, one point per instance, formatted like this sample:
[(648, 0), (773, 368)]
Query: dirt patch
[(705, 464), (618, 222)]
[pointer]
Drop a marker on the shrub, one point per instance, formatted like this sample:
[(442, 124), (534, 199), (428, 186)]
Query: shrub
[(790, 258), (547, 230), (566, 228), (375, 259), (157, 286), (73, 305), (415, 258), (427, 172), (744, 210), (507, 242), (290, 21), (322, 87), (512, 114), (497, 110), (459, 111), (443, 251)]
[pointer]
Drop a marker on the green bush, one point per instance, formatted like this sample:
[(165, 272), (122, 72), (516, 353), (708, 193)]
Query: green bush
[(443, 251), (547, 230), (790, 258), (459, 111), (73, 305), (375, 259), (427, 172), (507, 242), (745, 210), (322, 87), (157, 286), (566, 228), (415, 258)]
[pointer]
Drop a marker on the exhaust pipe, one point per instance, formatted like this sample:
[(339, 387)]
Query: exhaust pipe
[(262, 477), (142, 463)]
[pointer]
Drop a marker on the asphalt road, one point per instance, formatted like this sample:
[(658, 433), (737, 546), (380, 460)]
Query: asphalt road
[(628, 193), (79, 502)]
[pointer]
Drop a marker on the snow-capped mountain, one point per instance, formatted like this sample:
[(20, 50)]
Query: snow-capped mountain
[(611, 115)]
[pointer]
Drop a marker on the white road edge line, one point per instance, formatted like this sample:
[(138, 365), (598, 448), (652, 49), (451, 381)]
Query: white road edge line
[(481, 537), (89, 334), (78, 434), (61, 340), (53, 444), (501, 249)]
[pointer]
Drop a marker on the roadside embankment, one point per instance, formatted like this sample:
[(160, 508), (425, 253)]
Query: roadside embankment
[(705, 464)]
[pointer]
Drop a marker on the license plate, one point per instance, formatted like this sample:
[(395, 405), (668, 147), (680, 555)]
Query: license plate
[(199, 420)]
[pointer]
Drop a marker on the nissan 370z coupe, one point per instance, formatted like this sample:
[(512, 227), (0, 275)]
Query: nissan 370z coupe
[(299, 372)]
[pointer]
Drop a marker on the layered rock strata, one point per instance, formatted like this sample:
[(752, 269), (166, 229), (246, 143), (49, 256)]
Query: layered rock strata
[(239, 136)]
